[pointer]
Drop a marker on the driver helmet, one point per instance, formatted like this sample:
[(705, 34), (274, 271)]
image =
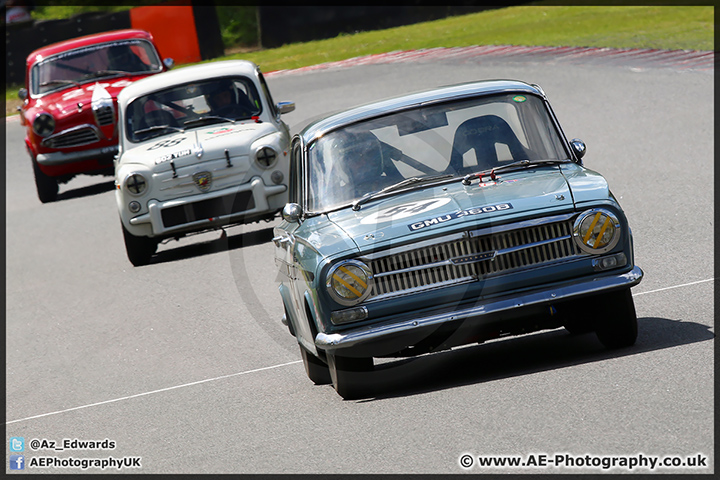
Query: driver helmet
[(223, 86), (360, 155)]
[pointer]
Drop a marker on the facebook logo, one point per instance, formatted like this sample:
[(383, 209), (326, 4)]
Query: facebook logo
[(17, 462), (17, 444)]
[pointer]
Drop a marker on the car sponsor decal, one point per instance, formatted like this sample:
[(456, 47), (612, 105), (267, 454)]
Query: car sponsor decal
[(455, 215), (89, 49), (221, 132), (121, 83), (78, 92), (398, 212), (167, 143), (519, 98)]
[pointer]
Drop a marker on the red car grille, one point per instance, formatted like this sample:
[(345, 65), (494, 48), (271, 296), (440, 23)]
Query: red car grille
[(105, 116), (72, 138)]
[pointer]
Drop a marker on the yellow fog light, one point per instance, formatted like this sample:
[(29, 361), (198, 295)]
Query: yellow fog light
[(596, 231), (349, 282)]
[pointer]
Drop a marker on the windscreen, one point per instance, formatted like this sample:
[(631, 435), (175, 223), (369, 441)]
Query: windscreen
[(191, 105), (64, 70), (455, 139)]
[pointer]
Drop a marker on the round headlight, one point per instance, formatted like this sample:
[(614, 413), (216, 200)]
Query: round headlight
[(136, 184), (43, 125), (349, 282), (596, 231), (266, 156)]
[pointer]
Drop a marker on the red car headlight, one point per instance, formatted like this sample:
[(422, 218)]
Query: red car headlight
[(43, 125)]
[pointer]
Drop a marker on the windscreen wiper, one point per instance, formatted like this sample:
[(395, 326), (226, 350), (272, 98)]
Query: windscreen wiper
[(510, 166), (159, 127), (60, 82), (105, 73), (206, 118), (397, 186)]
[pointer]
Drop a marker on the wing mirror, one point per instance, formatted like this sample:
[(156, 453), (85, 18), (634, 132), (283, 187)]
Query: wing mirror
[(285, 107), (169, 63), (23, 94), (578, 147), (292, 213)]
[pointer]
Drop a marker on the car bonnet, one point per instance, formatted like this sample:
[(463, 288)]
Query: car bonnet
[(198, 145), (449, 207), (72, 99)]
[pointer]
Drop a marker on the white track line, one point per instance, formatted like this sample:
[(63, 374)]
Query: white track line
[(676, 286), (155, 391), (252, 371)]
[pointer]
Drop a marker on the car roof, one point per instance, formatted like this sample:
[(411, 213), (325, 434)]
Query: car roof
[(85, 40), (193, 73), (323, 126)]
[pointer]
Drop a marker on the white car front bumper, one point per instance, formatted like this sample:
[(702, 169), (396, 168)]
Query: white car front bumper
[(236, 204)]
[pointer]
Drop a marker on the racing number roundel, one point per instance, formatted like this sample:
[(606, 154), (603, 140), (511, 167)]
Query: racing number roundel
[(405, 210)]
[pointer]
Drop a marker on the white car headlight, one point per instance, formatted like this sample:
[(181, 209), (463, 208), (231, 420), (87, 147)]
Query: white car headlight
[(597, 231), (266, 156), (349, 282), (135, 183)]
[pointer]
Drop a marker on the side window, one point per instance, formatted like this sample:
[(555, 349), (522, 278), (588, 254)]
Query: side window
[(295, 171)]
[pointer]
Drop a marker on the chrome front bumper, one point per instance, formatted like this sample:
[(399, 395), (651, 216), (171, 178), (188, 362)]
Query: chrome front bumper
[(393, 334), (61, 158)]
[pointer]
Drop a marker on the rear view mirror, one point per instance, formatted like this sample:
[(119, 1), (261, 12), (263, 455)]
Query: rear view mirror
[(578, 147), (285, 107)]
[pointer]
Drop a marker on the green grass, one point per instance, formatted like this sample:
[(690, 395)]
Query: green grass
[(661, 27)]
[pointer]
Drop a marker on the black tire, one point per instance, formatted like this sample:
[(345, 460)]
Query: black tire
[(139, 249), (316, 369), (47, 187), (616, 320), (579, 328), (351, 377)]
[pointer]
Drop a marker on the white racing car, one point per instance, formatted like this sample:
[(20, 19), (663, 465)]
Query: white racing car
[(201, 147)]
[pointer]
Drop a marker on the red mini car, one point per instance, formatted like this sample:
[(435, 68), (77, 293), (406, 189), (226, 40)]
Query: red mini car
[(70, 103)]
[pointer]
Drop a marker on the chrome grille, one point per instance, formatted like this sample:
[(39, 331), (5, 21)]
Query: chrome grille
[(72, 138), (472, 257)]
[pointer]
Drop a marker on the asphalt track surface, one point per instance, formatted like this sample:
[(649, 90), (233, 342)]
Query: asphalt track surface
[(184, 363)]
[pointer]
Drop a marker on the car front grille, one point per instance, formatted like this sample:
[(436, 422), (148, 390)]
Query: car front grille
[(207, 209), (105, 116), (75, 137), (472, 256)]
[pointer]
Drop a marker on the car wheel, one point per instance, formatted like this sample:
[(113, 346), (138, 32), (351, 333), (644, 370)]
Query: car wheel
[(350, 376), (139, 249), (47, 186), (316, 369), (616, 320), (578, 328)]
